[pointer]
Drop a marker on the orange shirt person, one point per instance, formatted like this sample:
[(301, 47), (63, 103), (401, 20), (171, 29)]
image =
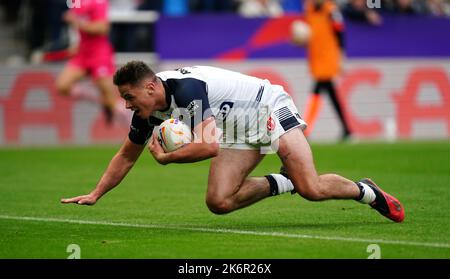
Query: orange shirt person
[(324, 48)]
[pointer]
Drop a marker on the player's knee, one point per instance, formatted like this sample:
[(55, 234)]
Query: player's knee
[(62, 88), (219, 205), (310, 191)]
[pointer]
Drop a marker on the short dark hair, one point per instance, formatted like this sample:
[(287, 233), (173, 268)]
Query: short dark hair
[(132, 73)]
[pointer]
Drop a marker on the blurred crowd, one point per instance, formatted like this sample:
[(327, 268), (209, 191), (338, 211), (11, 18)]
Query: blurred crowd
[(39, 24), (359, 10)]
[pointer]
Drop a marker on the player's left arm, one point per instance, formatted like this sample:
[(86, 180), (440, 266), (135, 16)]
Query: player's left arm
[(204, 146), (192, 94)]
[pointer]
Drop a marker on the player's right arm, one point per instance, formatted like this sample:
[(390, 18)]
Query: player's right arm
[(122, 162), (117, 169)]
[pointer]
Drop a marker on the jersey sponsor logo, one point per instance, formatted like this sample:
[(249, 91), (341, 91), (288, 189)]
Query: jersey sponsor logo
[(224, 110), (271, 124), (183, 71), (192, 108)]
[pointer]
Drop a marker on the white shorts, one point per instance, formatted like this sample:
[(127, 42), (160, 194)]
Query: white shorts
[(281, 117)]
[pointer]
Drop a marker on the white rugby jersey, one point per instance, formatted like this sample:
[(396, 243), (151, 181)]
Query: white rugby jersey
[(234, 99)]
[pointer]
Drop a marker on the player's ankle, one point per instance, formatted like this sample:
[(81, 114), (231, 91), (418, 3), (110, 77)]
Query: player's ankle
[(367, 195), (279, 184)]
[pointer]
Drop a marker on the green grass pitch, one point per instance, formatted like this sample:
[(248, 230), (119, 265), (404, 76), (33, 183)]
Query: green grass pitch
[(159, 211)]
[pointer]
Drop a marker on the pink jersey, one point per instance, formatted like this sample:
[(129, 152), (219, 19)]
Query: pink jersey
[(95, 53), (91, 11)]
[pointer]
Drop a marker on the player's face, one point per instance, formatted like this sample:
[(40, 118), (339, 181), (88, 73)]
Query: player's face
[(141, 98)]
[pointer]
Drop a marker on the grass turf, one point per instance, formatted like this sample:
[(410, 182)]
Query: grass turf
[(171, 199)]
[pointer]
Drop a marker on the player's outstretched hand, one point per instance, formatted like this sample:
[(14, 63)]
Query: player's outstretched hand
[(81, 200)]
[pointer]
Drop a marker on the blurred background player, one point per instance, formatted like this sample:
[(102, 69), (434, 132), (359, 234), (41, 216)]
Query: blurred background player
[(325, 47), (93, 55), (358, 10)]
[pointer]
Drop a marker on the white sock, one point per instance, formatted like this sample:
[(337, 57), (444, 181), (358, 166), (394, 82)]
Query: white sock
[(284, 184), (368, 194)]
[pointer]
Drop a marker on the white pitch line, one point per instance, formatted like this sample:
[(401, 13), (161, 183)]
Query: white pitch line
[(231, 231)]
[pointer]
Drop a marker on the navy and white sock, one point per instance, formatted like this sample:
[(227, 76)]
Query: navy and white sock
[(279, 184), (367, 195)]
